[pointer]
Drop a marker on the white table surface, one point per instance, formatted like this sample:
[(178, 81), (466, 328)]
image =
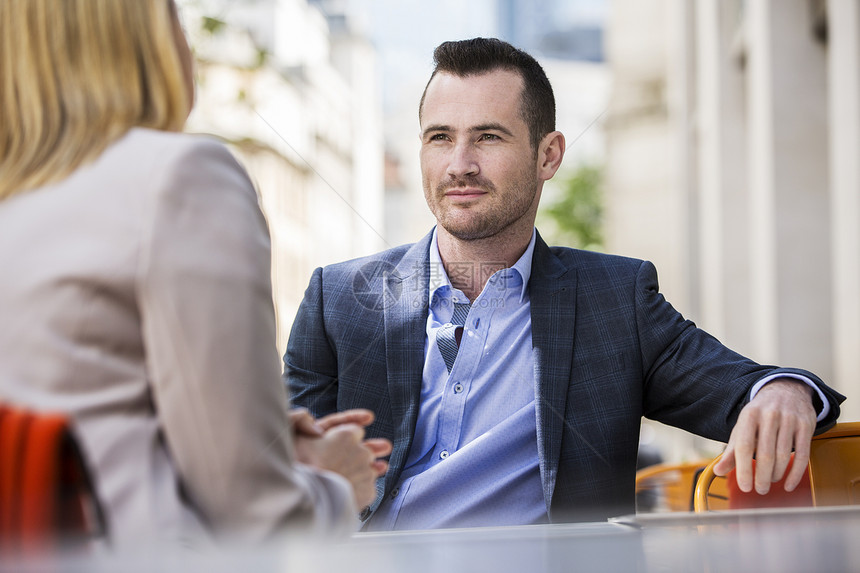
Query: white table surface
[(807, 540)]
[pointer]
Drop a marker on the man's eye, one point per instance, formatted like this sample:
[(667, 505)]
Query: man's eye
[(489, 137), (438, 137)]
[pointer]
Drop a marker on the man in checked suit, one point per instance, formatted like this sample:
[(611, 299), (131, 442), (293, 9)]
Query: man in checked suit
[(511, 376)]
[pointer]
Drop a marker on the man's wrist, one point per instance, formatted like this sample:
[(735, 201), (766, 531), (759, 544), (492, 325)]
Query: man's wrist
[(819, 400)]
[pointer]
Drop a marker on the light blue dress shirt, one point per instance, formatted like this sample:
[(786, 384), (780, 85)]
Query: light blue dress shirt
[(474, 458)]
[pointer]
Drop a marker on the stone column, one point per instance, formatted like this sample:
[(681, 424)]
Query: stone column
[(789, 178), (843, 24), (723, 261)]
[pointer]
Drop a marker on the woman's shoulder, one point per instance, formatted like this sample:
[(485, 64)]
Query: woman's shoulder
[(167, 145), (170, 160)]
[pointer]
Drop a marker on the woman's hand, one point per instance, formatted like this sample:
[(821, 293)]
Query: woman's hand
[(336, 443)]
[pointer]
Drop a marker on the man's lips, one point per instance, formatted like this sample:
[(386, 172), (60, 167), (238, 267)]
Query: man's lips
[(467, 193)]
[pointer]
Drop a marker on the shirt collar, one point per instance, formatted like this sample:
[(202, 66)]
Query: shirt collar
[(439, 278)]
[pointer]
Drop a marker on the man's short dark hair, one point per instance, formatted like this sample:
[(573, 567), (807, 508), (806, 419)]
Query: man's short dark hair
[(483, 55)]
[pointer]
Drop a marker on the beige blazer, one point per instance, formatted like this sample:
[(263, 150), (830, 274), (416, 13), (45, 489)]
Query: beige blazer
[(136, 296)]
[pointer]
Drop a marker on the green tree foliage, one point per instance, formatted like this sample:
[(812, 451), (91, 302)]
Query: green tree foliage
[(212, 25), (574, 216)]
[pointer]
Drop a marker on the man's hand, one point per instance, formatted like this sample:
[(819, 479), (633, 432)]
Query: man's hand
[(780, 418)]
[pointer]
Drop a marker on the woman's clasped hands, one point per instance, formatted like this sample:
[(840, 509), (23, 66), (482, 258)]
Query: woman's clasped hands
[(336, 443)]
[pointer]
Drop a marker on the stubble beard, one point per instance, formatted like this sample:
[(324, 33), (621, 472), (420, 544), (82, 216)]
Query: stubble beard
[(475, 225)]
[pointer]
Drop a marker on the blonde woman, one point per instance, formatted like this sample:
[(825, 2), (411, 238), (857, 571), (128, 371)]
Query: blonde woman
[(135, 291)]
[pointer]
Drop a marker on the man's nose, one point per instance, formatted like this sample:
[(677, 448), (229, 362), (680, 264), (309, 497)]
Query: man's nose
[(463, 161)]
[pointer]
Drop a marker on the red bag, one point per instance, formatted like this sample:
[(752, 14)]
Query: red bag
[(47, 500)]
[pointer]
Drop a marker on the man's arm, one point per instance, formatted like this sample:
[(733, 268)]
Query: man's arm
[(696, 383)]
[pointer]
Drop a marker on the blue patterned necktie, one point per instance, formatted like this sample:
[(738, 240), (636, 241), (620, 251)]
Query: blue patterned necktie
[(447, 336)]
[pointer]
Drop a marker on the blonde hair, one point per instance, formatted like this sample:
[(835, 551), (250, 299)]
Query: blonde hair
[(75, 75)]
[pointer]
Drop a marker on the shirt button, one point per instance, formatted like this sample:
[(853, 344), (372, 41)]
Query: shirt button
[(458, 388), (394, 493), (443, 454)]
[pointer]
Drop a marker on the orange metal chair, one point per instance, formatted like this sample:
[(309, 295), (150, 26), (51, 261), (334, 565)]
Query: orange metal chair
[(673, 482), (832, 478), (834, 466), (47, 502)]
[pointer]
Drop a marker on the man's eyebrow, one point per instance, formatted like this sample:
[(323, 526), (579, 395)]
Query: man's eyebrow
[(492, 127), (435, 128), (482, 127)]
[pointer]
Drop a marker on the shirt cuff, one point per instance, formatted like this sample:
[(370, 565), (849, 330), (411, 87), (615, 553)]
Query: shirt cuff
[(825, 408)]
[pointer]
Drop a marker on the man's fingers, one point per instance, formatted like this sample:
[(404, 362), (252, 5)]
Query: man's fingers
[(726, 462), (357, 416), (744, 438), (799, 466), (784, 446), (765, 453)]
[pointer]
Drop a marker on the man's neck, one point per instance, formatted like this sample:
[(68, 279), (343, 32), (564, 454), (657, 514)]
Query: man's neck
[(470, 264)]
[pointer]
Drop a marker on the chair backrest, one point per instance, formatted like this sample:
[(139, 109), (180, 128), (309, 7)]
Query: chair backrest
[(711, 491), (673, 482), (834, 465), (47, 501), (832, 478)]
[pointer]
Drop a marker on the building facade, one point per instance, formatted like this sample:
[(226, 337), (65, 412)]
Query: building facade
[(293, 91)]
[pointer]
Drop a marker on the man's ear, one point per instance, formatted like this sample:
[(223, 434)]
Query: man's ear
[(550, 154)]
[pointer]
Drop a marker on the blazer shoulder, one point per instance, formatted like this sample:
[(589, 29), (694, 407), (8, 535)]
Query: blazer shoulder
[(143, 140), (151, 144), (586, 261), (149, 162)]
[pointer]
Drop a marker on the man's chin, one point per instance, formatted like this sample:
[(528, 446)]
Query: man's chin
[(471, 232)]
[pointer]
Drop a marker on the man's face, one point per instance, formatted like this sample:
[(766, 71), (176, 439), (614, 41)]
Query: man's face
[(478, 167)]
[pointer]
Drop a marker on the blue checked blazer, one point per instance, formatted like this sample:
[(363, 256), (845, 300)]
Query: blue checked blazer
[(609, 349)]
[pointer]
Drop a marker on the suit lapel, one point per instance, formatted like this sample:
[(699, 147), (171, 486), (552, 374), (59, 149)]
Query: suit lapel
[(405, 315), (552, 292)]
